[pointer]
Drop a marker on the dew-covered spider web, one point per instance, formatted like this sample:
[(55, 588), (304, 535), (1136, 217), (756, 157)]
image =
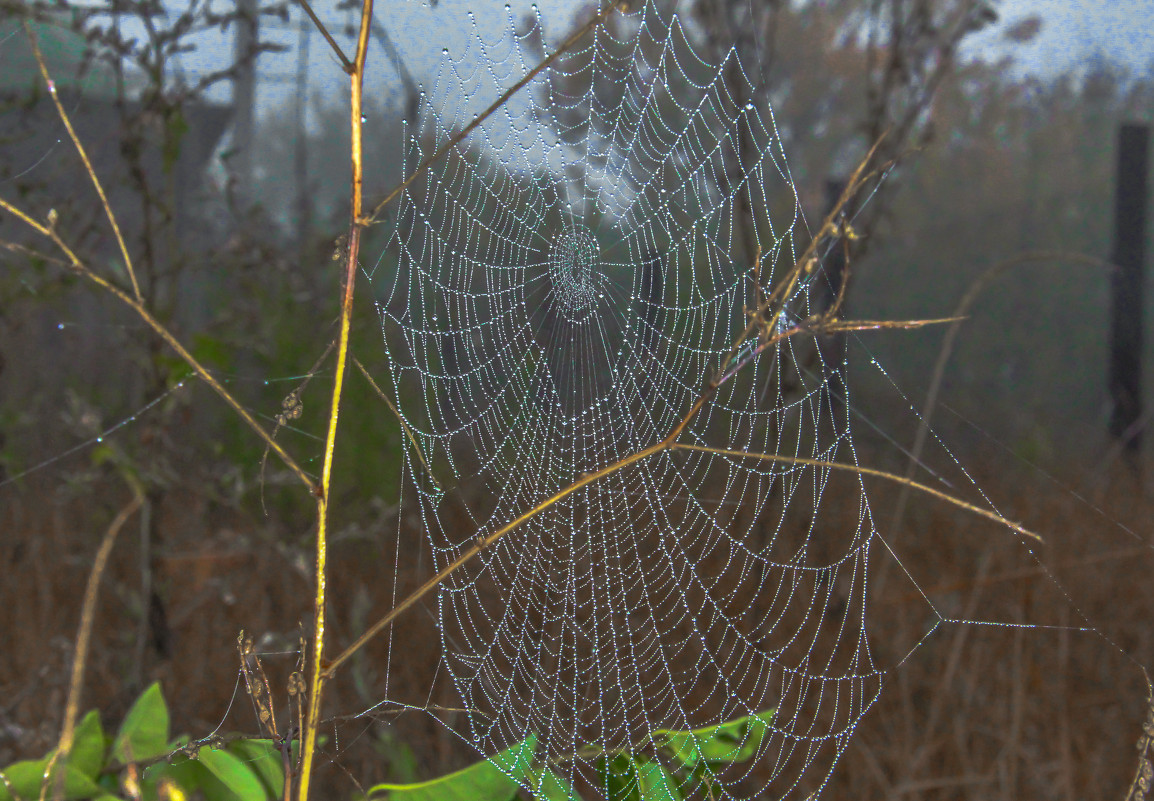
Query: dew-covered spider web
[(558, 292)]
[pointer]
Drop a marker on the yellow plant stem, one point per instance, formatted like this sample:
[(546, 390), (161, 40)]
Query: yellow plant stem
[(317, 674)]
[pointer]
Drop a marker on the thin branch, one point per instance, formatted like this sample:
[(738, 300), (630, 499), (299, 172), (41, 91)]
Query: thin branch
[(597, 19), (83, 157), (961, 313), (821, 326), (484, 542), (865, 471), (138, 306), (396, 413), (80, 658), (346, 65)]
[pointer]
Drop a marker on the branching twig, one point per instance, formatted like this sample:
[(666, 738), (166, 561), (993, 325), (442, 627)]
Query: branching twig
[(138, 306), (83, 157), (316, 679), (346, 65)]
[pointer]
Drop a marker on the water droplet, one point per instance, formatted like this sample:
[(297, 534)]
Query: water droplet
[(60, 326), (364, 119), (100, 439)]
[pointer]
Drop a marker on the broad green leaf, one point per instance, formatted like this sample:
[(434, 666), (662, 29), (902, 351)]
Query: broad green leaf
[(734, 741), (88, 746), (144, 733), (186, 774), (263, 758), (655, 782), (235, 775), (22, 782), (627, 779), (548, 786), (618, 778), (495, 779)]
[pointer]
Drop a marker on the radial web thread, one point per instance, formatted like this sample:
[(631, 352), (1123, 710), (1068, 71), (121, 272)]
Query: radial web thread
[(558, 291)]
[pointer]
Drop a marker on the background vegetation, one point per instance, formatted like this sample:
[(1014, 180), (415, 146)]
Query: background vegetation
[(1002, 164)]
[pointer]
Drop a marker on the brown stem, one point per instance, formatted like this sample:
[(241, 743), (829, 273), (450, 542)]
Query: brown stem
[(80, 658)]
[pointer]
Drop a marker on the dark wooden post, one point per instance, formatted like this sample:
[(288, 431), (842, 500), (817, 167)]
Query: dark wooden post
[(1125, 376)]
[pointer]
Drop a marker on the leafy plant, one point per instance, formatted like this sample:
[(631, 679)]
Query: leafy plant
[(142, 762)]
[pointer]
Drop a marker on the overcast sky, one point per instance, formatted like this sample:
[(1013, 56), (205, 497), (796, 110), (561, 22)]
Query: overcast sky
[(1073, 31)]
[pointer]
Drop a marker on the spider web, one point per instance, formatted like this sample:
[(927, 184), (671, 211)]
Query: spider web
[(558, 291)]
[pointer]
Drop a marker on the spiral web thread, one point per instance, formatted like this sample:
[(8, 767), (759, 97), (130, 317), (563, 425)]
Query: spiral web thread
[(557, 292)]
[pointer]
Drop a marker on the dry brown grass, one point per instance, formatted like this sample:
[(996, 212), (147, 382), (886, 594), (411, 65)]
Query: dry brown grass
[(973, 712)]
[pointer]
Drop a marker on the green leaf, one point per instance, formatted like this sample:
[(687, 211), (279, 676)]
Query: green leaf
[(263, 758), (618, 778), (548, 786), (655, 782), (187, 774), (495, 779), (22, 781), (236, 776), (144, 733), (88, 746), (735, 741), (627, 779)]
